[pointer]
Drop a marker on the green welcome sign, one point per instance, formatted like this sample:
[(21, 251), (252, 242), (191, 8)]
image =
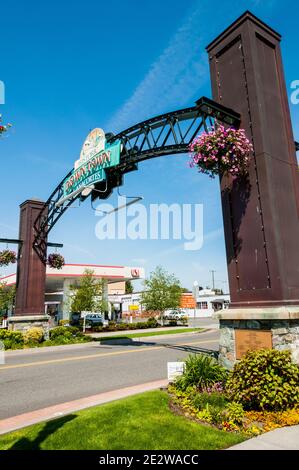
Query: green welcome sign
[(95, 157)]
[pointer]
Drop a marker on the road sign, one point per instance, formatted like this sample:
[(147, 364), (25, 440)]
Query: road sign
[(133, 307), (174, 370)]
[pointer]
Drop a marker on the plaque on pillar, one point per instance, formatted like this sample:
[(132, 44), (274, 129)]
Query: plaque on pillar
[(252, 340)]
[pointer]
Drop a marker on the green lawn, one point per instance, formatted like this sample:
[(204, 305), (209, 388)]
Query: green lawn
[(141, 422), (153, 333)]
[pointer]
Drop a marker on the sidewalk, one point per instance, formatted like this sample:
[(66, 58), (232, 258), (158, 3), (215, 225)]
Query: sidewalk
[(56, 411), (286, 438)]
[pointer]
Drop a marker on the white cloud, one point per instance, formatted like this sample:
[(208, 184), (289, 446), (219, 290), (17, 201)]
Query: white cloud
[(173, 79)]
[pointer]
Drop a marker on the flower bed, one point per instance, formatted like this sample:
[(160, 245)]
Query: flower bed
[(201, 396), (34, 337), (221, 151)]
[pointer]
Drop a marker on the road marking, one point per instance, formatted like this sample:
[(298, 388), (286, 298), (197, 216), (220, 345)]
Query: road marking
[(93, 356)]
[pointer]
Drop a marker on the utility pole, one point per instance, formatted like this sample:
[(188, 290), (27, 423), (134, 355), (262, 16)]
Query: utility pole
[(213, 278)]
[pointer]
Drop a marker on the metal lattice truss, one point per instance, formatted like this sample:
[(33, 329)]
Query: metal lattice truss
[(166, 134)]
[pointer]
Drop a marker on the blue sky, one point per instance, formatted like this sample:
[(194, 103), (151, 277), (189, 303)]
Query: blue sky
[(70, 66)]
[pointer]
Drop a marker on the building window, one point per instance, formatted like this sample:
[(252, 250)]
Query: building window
[(202, 305)]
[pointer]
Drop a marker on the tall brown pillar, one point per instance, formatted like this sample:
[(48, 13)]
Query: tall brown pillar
[(261, 214), (261, 220), (31, 272)]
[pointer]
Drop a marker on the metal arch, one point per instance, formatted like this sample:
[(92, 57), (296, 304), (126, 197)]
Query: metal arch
[(166, 134), (170, 133)]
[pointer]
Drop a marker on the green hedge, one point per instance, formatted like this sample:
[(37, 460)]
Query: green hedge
[(265, 380), (12, 339)]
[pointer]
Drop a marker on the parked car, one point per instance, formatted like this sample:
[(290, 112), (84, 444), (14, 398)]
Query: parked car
[(175, 313), (94, 319)]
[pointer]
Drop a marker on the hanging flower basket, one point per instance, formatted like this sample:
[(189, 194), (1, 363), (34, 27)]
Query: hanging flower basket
[(221, 151), (3, 128), (56, 261), (7, 257)]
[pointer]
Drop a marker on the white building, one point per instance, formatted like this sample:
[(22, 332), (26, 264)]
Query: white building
[(208, 302), (58, 282)]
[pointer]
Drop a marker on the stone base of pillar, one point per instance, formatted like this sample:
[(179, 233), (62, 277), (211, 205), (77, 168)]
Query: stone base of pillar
[(240, 331), (24, 322)]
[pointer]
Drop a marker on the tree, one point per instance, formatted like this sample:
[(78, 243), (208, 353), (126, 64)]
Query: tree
[(89, 295), (7, 297), (162, 291), (129, 289)]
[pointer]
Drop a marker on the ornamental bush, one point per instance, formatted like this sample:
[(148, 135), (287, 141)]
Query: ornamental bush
[(11, 339), (201, 371), (66, 332), (265, 380), (214, 399), (34, 335), (221, 151), (152, 323)]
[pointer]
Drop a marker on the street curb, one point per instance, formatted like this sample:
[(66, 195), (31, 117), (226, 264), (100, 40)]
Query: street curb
[(144, 338), (62, 409), (17, 352)]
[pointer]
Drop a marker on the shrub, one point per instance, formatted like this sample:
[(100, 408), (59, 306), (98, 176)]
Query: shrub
[(97, 329), (216, 413), (202, 371), (34, 335), (66, 332), (234, 413), (265, 380), (64, 322), (11, 339), (152, 323), (141, 325), (201, 400)]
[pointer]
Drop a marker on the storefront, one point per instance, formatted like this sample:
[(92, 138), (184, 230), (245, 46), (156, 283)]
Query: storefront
[(58, 283)]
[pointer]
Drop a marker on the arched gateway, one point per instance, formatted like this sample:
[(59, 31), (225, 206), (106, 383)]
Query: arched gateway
[(261, 213)]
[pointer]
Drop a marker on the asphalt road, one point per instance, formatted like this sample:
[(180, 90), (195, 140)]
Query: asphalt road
[(30, 380)]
